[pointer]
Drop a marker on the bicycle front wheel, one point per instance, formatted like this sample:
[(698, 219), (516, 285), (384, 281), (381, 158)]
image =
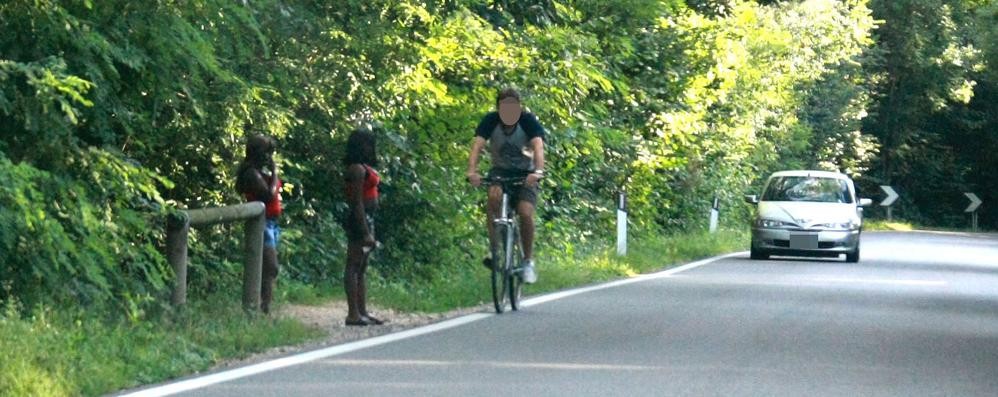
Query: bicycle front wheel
[(500, 270)]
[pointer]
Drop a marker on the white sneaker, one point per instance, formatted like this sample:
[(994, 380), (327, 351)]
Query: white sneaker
[(527, 272)]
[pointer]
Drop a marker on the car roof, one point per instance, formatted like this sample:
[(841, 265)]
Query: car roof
[(815, 173)]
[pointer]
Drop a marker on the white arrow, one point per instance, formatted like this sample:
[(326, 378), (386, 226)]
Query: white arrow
[(974, 202), (891, 196)]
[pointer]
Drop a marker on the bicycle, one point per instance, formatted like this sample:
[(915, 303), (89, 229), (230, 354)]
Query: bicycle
[(506, 251)]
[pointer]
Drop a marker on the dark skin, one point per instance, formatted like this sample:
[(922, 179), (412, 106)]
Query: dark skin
[(264, 191), (358, 250)]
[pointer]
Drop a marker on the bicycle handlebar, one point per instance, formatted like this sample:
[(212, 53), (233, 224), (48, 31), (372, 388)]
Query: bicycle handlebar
[(512, 180)]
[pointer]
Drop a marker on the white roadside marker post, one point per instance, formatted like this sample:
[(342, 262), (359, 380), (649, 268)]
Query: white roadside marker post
[(622, 224), (714, 212)]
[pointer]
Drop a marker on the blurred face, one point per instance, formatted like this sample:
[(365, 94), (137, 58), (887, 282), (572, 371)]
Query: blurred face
[(509, 111)]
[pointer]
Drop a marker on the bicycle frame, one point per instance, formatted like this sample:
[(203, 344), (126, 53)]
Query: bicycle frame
[(506, 267), (511, 230)]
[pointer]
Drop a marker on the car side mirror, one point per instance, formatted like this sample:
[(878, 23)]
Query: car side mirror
[(751, 199), (863, 202)]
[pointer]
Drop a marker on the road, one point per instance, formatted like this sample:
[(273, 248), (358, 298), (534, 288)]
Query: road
[(917, 316)]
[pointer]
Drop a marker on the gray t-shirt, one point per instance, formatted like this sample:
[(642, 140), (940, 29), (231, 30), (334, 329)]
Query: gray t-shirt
[(510, 151)]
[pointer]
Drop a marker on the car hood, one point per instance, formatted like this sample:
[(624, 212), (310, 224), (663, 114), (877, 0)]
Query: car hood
[(806, 214)]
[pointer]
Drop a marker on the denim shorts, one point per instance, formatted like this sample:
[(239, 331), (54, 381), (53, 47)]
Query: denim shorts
[(271, 233)]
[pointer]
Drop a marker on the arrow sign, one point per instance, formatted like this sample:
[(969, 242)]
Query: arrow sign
[(974, 202), (891, 196)]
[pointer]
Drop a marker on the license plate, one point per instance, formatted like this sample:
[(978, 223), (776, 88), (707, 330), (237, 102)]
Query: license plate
[(804, 241)]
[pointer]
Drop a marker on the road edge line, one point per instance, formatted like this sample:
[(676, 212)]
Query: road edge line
[(301, 358), (644, 277)]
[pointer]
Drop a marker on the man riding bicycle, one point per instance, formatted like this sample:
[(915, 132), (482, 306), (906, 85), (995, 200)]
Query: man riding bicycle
[(516, 148)]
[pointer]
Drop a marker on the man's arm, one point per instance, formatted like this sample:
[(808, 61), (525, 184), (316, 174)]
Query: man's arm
[(537, 144), (476, 151)]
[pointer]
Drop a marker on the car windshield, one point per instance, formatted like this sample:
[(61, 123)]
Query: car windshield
[(807, 188)]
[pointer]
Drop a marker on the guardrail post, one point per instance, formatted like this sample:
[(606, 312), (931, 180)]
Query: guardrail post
[(253, 270), (177, 227), (179, 224)]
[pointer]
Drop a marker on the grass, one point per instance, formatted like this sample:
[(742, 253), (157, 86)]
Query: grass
[(53, 353), (881, 225), (905, 226), (565, 267), (61, 352)]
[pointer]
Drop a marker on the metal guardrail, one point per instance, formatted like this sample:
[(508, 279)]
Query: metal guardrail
[(178, 226)]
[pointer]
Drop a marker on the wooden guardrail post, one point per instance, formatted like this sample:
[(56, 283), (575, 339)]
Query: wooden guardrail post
[(177, 229), (253, 256), (177, 226)]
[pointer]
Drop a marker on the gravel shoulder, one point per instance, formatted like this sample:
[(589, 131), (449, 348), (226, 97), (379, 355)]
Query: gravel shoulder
[(329, 318)]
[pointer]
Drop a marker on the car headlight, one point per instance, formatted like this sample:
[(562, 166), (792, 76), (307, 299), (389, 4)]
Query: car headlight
[(772, 224)]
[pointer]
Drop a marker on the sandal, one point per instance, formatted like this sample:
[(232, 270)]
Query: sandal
[(362, 322), (372, 320)]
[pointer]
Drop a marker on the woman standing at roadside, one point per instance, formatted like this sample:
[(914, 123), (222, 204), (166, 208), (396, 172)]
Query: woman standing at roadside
[(257, 180), (361, 186)]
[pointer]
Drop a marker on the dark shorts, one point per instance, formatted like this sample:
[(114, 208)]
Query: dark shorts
[(354, 231), (519, 193)]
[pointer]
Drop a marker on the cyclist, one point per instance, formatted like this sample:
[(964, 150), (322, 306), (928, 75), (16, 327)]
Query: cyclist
[(516, 148)]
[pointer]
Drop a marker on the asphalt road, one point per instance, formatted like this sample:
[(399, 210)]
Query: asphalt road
[(917, 316)]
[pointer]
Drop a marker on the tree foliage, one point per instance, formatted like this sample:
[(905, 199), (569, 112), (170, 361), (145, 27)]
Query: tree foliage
[(115, 112), (933, 77)]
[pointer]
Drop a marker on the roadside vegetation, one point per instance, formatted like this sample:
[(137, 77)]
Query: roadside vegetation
[(115, 113), (59, 353), (883, 225)]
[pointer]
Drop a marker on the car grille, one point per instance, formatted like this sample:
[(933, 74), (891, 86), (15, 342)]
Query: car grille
[(821, 244)]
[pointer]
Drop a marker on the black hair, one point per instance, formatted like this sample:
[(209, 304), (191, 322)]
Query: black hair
[(361, 148), (259, 149), (507, 93)]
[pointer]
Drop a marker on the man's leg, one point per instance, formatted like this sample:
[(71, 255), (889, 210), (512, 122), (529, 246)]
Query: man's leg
[(526, 211), (492, 212)]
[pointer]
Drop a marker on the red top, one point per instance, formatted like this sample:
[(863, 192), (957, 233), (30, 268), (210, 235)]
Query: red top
[(273, 208), (371, 181)]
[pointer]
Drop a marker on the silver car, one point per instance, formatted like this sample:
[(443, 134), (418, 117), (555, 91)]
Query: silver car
[(807, 213)]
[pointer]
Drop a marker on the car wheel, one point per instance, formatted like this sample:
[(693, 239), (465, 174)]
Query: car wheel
[(756, 253), (853, 257)]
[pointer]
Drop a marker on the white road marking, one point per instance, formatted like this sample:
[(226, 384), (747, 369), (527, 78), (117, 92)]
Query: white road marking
[(495, 364), (568, 366), (805, 281), (302, 358), (926, 283), (564, 294), (225, 376)]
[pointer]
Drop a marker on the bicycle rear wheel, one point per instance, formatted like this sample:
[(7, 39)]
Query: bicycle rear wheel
[(515, 279), (500, 270)]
